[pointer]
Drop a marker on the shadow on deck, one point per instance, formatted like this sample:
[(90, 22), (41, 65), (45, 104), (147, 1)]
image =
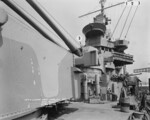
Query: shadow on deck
[(54, 113)]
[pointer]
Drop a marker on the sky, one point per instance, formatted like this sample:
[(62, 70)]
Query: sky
[(66, 12)]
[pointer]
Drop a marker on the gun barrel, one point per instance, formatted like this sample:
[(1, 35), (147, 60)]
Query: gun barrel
[(28, 20), (72, 44), (135, 74)]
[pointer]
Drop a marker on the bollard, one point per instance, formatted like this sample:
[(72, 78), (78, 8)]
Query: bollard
[(125, 104)]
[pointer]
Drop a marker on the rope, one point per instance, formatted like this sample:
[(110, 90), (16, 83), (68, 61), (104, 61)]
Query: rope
[(118, 21), (132, 20), (126, 20)]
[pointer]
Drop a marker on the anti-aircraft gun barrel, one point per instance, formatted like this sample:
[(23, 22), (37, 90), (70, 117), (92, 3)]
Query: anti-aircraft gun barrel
[(28, 20), (72, 44), (135, 74)]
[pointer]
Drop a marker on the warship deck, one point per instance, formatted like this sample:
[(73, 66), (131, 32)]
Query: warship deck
[(84, 111)]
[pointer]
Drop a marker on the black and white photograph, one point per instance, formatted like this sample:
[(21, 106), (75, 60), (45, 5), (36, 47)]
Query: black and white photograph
[(74, 60)]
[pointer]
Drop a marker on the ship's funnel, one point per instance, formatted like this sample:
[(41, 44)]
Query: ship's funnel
[(72, 44)]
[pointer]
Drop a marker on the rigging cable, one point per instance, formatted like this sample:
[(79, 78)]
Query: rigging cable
[(132, 19), (35, 19), (118, 20), (101, 9), (126, 19), (56, 20)]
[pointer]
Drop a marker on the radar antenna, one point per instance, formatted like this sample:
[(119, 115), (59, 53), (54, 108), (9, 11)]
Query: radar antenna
[(102, 2)]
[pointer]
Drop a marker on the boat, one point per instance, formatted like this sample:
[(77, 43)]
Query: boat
[(39, 75)]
